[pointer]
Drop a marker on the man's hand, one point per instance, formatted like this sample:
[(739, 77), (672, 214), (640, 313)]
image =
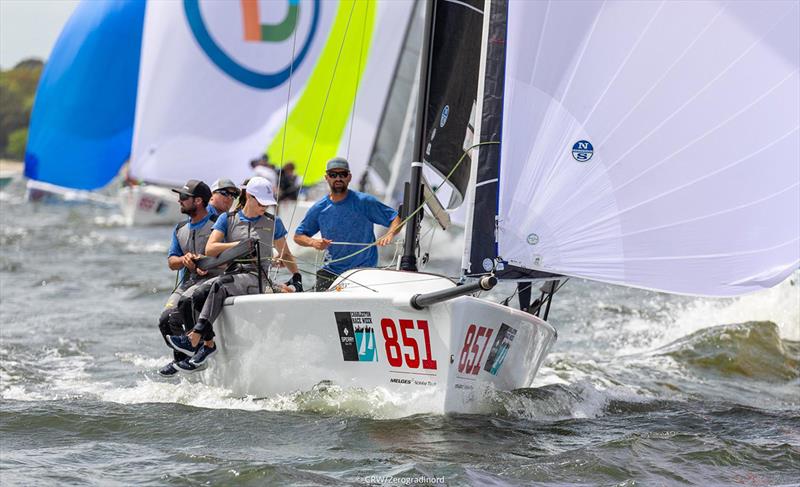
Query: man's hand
[(386, 239), (296, 282), (321, 243), (188, 261), (285, 289)]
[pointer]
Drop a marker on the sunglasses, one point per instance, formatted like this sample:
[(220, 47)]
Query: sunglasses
[(184, 197), (340, 175), (229, 194)]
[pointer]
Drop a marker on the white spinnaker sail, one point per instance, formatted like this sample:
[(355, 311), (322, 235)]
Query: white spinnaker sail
[(210, 100), (692, 110)]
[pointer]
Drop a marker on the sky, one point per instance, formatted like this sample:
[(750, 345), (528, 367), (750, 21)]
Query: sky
[(29, 28)]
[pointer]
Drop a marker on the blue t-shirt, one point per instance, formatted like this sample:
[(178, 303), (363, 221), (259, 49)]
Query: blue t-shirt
[(349, 220), (175, 247), (222, 225)]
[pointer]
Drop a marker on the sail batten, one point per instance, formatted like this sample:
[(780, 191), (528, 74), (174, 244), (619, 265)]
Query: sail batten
[(650, 144)]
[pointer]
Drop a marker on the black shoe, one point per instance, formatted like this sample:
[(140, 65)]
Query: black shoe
[(202, 355), (187, 367), (168, 370), (182, 344)]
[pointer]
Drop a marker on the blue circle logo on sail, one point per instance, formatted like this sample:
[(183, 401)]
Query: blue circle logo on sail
[(582, 151), (254, 32)]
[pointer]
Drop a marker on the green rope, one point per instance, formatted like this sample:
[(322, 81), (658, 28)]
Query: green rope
[(420, 207)]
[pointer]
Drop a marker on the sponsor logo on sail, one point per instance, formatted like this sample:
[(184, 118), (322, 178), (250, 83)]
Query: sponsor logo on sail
[(265, 67), (356, 336), (582, 151), (445, 114), (500, 348)]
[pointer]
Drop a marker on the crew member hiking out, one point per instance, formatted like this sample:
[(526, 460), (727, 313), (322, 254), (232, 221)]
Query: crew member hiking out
[(344, 218), (251, 221), (188, 243)]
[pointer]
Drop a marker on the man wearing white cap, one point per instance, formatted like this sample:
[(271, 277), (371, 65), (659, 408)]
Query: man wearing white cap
[(252, 221)]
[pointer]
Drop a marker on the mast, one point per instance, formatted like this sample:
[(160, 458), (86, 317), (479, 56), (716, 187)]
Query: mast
[(408, 261)]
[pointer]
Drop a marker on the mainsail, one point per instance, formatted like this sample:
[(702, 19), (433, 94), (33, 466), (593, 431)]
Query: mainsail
[(213, 94), (452, 85), (649, 144)]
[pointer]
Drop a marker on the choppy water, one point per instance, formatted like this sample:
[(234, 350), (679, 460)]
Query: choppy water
[(641, 388)]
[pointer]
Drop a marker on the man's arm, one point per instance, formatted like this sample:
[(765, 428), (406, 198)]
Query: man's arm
[(176, 259), (393, 229), (285, 255), (216, 246), (175, 262), (306, 241)]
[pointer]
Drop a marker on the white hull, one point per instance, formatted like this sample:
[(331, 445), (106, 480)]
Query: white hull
[(41, 192), (149, 205), (453, 353)]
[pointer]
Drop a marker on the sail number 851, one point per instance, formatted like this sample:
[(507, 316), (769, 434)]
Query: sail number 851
[(475, 343), (394, 351)]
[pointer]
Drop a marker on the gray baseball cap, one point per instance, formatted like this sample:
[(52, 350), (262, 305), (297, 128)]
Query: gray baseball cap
[(224, 184), (337, 163)]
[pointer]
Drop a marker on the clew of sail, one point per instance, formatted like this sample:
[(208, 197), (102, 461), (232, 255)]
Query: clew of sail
[(650, 144), (214, 90)]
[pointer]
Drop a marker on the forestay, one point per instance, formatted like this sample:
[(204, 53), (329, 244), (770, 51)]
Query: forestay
[(216, 78), (652, 144)]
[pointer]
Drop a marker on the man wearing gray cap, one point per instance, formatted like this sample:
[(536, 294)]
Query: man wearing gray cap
[(345, 217), (223, 193)]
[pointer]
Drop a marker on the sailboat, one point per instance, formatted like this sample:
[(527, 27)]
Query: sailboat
[(644, 144), (197, 89)]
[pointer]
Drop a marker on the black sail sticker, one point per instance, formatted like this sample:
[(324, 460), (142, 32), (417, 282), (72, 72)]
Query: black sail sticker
[(356, 336), (500, 348)]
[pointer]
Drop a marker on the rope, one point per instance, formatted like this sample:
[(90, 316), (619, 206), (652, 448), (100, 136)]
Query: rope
[(421, 206), (325, 104)]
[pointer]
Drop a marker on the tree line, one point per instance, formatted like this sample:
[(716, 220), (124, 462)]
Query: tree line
[(17, 90)]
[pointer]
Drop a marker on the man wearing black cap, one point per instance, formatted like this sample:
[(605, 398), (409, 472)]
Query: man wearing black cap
[(188, 242), (345, 218)]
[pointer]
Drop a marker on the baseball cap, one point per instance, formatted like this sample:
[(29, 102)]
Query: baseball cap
[(194, 187), (337, 163), (261, 189), (224, 184)]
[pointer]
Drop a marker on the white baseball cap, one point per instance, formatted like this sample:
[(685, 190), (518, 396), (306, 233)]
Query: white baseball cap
[(261, 189)]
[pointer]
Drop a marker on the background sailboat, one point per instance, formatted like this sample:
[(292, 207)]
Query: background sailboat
[(210, 95)]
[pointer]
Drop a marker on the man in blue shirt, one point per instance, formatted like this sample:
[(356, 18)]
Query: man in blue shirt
[(188, 243), (343, 218)]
